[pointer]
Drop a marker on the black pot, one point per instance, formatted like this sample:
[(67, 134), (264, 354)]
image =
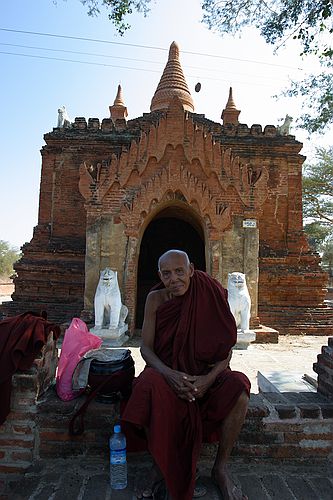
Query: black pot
[(114, 377)]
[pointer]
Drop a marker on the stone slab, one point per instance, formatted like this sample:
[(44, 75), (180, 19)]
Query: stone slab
[(283, 381)]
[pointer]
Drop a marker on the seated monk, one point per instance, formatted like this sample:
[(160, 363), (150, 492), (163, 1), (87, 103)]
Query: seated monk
[(187, 393)]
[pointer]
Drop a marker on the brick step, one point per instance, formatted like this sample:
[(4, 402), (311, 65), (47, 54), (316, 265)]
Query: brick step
[(280, 426), (273, 427)]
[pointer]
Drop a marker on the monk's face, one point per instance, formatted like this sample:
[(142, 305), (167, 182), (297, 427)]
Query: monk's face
[(175, 273)]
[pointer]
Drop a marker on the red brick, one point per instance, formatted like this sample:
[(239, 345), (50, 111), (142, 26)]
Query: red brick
[(17, 443), (64, 436), (14, 469), (24, 455)]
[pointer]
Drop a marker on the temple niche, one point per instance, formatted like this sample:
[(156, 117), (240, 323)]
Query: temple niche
[(118, 193)]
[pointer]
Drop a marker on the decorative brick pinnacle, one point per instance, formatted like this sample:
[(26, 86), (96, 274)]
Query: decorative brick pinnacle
[(119, 100), (172, 83), (118, 111), (231, 103), (230, 113)]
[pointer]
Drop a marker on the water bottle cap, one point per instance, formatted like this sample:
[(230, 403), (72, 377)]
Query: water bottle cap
[(117, 429)]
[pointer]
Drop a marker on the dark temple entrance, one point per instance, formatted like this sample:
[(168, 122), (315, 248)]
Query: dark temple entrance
[(162, 234)]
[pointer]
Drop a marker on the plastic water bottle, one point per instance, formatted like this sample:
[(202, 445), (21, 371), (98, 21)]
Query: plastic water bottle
[(118, 463)]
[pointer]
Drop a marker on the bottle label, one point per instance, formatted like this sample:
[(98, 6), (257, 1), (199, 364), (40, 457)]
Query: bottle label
[(118, 456)]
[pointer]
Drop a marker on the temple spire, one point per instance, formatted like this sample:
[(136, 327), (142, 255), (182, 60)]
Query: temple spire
[(118, 111), (172, 84), (230, 113)]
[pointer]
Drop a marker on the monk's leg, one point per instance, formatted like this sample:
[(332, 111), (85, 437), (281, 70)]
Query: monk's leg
[(229, 431), (151, 480), (149, 483)]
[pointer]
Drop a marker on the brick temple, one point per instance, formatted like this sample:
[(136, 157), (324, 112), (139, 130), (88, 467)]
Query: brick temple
[(120, 192)]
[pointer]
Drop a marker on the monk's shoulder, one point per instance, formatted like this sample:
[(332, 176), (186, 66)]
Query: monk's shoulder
[(155, 299)]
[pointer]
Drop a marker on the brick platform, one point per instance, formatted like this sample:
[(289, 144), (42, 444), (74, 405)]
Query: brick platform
[(279, 426), (288, 426)]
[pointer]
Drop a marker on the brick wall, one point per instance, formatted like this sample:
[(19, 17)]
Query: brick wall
[(324, 369), (19, 434)]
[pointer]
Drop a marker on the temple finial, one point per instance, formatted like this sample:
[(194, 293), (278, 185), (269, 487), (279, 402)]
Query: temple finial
[(118, 111), (230, 113), (119, 100), (172, 84)]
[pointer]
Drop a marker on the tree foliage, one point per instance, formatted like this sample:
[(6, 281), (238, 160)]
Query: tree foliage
[(308, 21), (8, 255), (318, 204), (318, 91), (118, 10), (277, 20), (318, 188)]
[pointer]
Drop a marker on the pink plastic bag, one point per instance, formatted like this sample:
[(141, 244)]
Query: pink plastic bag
[(77, 341)]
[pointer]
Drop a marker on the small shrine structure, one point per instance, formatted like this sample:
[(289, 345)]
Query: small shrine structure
[(118, 193)]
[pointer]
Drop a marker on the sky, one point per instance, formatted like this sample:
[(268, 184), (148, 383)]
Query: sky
[(82, 63)]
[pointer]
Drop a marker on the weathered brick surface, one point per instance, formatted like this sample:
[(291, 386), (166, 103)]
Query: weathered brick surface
[(324, 369), (19, 438)]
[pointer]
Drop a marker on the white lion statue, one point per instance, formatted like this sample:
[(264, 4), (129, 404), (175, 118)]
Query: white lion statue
[(109, 311), (285, 127), (63, 118), (239, 300)]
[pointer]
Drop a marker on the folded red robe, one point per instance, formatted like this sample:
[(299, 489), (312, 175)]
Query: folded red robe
[(193, 331), (21, 340)]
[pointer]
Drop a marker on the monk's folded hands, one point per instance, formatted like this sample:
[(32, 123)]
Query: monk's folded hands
[(181, 384), (201, 385)]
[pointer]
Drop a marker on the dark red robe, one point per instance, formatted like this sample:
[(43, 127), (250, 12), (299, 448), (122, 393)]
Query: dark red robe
[(193, 331), (21, 340)]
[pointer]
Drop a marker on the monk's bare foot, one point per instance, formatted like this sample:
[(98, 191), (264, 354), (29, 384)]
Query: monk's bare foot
[(146, 487), (229, 491)]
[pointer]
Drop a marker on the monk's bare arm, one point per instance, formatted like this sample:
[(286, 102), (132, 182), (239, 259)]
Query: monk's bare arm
[(174, 378), (220, 367), (148, 333)]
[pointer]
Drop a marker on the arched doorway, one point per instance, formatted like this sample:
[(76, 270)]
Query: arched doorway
[(168, 230)]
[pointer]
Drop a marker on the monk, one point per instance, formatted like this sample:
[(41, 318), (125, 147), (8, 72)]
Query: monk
[(187, 392)]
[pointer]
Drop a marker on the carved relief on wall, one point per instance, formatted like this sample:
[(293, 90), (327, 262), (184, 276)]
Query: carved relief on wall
[(250, 180), (96, 179), (178, 158), (182, 187)]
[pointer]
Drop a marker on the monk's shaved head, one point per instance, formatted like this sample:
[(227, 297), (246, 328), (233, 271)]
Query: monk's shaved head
[(170, 253)]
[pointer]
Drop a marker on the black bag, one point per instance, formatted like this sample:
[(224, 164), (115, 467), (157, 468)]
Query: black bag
[(108, 381)]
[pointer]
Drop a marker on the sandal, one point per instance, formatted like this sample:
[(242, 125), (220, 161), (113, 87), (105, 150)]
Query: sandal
[(199, 490), (160, 491)]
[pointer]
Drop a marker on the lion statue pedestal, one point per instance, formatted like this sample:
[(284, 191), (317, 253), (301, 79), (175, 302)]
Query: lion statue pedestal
[(240, 306), (110, 313)]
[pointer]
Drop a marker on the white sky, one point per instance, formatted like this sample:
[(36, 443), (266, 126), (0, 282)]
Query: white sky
[(33, 88)]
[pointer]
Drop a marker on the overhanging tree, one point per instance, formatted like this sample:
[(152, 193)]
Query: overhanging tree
[(118, 10), (318, 202), (318, 188), (308, 21)]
